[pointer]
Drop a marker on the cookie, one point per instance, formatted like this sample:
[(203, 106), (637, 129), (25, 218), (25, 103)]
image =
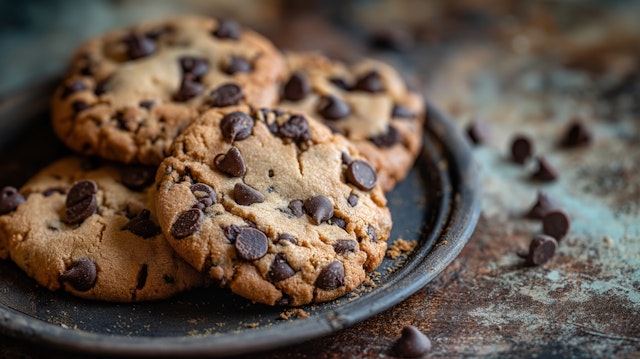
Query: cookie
[(129, 92), (272, 205), (92, 231), (367, 102)]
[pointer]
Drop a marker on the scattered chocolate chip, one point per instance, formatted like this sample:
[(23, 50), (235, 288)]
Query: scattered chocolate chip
[(138, 177), (148, 104), (346, 158), (296, 128), (236, 126), (295, 207), (337, 221), (340, 83), (546, 171), (287, 237), (319, 208), (189, 88), (228, 94), (556, 224), (51, 191), (10, 199), (72, 87), (195, 66), (541, 249), (142, 276), (361, 174), (81, 201), (79, 106), (342, 246), (478, 131), (231, 232), (245, 195), (543, 205), (412, 343), (142, 226), (333, 108), (353, 200), (371, 232), (231, 163), (188, 223), (331, 277), (297, 88), (387, 139), (577, 134), (228, 29), (400, 111), (521, 149), (251, 244), (370, 82), (81, 275), (238, 64), (139, 46), (280, 269)]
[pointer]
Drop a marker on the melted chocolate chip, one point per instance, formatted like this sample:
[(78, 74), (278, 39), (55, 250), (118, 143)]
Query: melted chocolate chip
[(187, 223), (287, 237), (238, 64), (195, 66), (81, 275), (577, 134), (138, 177), (521, 149), (189, 88), (251, 244), (342, 246), (362, 175), (400, 111), (296, 128), (72, 87), (387, 139), (546, 171), (370, 82), (10, 199), (142, 226), (541, 249), (236, 126), (228, 94), (142, 276), (228, 29), (297, 88), (139, 46), (280, 269), (295, 207), (245, 195), (353, 200), (331, 277), (81, 201), (412, 343), (231, 163), (333, 108), (556, 224), (543, 205), (340, 83), (319, 208)]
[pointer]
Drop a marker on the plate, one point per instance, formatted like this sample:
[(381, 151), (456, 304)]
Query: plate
[(437, 206)]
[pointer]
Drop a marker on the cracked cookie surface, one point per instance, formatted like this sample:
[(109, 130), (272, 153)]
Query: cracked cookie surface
[(129, 92), (272, 205), (91, 230)]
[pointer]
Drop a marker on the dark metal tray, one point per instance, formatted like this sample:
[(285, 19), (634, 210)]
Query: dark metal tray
[(437, 205)]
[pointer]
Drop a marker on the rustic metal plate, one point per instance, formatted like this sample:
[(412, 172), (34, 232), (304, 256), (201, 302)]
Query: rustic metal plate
[(437, 205)]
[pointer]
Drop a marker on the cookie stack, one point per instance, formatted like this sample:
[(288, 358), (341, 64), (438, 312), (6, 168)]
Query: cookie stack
[(211, 158)]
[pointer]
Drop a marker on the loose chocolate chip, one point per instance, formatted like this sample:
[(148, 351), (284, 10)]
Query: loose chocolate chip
[(195, 66), (297, 88), (81, 275), (319, 208), (10, 199), (251, 244), (81, 201), (189, 88), (371, 232), (142, 276), (331, 277), (337, 221), (521, 149), (148, 104), (400, 111), (543, 205), (231, 232), (236, 126), (245, 195), (79, 106), (333, 108), (541, 249), (296, 128), (556, 224), (142, 226), (295, 207), (139, 46), (280, 269), (546, 171), (72, 87), (228, 94), (370, 82), (577, 134), (478, 131), (51, 191), (228, 29), (287, 237), (231, 163), (238, 64), (138, 177), (412, 343), (387, 139), (352, 200), (362, 175), (342, 246), (188, 223), (340, 83)]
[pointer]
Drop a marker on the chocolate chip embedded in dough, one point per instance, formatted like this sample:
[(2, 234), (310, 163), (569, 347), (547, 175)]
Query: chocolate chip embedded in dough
[(280, 269), (231, 232), (340, 83), (72, 87), (81, 275), (296, 128), (187, 223), (139, 46), (228, 29), (79, 106), (81, 201), (189, 88), (331, 277), (10, 199), (362, 175), (333, 108), (400, 111), (238, 64), (371, 232), (319, 208), (287, 238), (137, 177), (142, 226), (387, 139), (297, 87), (295, 207), (353, 200), (228, 94), (195, 66), (251, 244), (342, 246), (231, 163), (236, 126), (369, 82), (245, 195)]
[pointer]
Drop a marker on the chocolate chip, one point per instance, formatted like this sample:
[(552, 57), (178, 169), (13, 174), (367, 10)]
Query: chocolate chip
[(245, 195), (297, 88), (231, 232), (577, 134), (541, 249), (230, 163), (337, 221), (228, 94), (72, 87), (283, 301), (280, 269), (148, 104), (195, 66), (333, 108), (387, 139), (296, 128), (189, 88), (342, 246), (295, 207), (543, 205), (228, 29), (81, 201), (331, 277), (412, 343), (556, 224), (352, 200), (478, 131), (51, 191), (79, 106), (521, 149), (370, 82), (204, 193), (319, 208), (340, 83), (81, 275), (238, 64), (142, 226), (10, 199), (546, 171), (251, 244), (101, 87), (371, 232), (139, 46), (362, 175), (287, 237), (142, 276), (236, 126), (400, 111), (138, 177), (188, 223)]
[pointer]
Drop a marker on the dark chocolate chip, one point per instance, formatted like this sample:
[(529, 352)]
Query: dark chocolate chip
[(387, 139), (139, 46), (556, 224), (271, 173), (371, 232), (101, 87), (251, 244), (319, 208), (148, 104), (79, 106), (295, 207), (296, 128), (228, 94), (283, 301), (543, 205), (297, 88), (81, 275), (521, 149), (231, 232), (195, 66), (72, 87), (81, 201), (236, 126), (478, 131), (340, 83), (238, 64), (342, 246), (280, 269), (228, 29), (370, 82), (331, 277), (353, 200), (333, 108), (138, 177), (287, 237), (189, 88), (361, 174), (231, 163), (245, 195), (204, 193), (142, 276), (10, 199), (188, 223), (337, 221), (400, 111), (412, 343), (142, 226), (546, 171), (577, 134), (541, 249)]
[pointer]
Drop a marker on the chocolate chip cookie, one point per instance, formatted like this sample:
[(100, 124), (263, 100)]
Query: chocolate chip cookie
[(367, 102), (91, 230), (272, 205), (129, 92)]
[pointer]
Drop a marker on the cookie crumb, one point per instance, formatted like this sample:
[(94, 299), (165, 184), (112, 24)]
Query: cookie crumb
[(252, 325), (400, 246), (295, 312)]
